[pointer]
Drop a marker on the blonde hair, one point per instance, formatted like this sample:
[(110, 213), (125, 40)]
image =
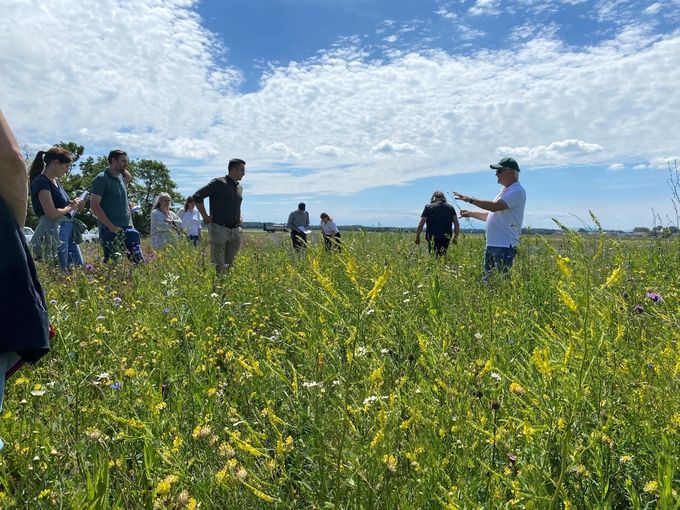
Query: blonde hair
[(157, 204)]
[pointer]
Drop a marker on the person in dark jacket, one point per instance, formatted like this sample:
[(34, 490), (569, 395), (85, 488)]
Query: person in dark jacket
[(25, 330), (438, 215)]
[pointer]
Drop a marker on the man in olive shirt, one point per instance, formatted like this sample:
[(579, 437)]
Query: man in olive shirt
[(226, 195)]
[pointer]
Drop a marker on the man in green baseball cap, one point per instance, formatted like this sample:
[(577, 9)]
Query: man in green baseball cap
[(503, 215)]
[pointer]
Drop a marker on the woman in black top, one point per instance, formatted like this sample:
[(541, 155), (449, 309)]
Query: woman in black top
[(54, 234)]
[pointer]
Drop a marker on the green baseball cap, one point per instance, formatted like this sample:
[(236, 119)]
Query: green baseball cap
[(506, 163)]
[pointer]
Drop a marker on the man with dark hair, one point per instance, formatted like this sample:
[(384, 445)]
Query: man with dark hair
[(438, 215), (226, 195), (503, 215), (298, 224), (109, 203)]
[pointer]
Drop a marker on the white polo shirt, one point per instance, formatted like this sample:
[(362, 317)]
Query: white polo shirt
[(503, 228)]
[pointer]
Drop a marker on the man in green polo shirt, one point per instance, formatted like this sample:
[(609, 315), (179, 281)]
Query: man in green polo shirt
[(109, 203)]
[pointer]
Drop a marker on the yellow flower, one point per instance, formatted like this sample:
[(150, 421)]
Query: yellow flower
[(516, 388), (130, 372), (165, 484), (563, 264), (625, 459), (21, 380), (651, 486), (201, 432), (212, 392), (566, 299), (390, 462), (614, 277)]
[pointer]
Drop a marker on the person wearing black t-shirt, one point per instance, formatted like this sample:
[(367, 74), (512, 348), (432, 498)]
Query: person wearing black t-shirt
[(438, 216)]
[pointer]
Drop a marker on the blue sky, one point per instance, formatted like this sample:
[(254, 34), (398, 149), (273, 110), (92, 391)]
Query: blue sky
[(362, 108)]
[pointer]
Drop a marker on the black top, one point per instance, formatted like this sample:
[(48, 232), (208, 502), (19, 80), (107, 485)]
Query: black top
[(225, 196), (23, 315), (59, 196), (439, 219)]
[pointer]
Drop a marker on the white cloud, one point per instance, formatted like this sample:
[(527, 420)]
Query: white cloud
[(446, 14), (615, 167), (330, 151), (663, 162), (653, 8), (388, 147), (571, 150), (485, 7), (151, 79), (282, 150), (391, 38)]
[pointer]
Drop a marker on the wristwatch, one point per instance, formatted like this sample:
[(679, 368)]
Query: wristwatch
[(472, 199)]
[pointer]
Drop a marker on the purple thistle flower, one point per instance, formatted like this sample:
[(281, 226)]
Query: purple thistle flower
[(654, 296), (89, 267), (115, 386)]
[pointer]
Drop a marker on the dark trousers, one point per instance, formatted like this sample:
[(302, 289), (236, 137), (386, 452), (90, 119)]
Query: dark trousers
[(332, 241), (129, 239), (299, 239), (439, 244)]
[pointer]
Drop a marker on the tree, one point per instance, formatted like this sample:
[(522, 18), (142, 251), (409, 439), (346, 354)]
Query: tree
[(149, 179)]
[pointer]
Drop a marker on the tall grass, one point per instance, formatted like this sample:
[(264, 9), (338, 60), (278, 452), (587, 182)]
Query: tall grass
[(373, 378)]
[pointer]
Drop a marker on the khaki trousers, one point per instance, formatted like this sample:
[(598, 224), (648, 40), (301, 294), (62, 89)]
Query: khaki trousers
[(224, 243)]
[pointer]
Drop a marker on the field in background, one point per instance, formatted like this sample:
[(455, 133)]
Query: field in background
[(373, 378)]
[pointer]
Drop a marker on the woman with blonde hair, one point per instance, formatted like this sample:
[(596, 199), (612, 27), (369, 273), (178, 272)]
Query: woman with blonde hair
[(54, 234), (165, 224)]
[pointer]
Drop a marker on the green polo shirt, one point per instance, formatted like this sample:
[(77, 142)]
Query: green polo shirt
[(114, 197)]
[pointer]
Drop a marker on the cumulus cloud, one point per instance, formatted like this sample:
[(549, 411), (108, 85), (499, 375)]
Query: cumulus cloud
[(389, 147), (147, 68), (560, 151), (330, 151), (615, 167), (282, 150), (153, 79), (663, 162), (488, 7)]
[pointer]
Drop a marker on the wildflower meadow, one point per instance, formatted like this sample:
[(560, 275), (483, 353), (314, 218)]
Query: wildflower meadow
[(376, 377)]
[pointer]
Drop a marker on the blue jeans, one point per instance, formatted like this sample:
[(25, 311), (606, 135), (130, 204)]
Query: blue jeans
[(114, 242), (498, 258), (68, 251)]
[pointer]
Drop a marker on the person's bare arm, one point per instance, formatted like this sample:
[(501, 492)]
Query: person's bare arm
[(478, 215), (419, 228), (204, 214), (52, 212), (456, 228), (13, 175)]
